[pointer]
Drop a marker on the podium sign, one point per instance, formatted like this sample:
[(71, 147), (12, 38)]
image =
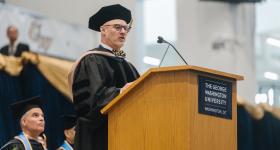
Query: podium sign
[(215, 97)]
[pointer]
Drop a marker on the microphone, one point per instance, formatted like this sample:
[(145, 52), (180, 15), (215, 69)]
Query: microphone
[(161, 40)]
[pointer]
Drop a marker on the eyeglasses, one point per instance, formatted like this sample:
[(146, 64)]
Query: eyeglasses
[(119, 27)]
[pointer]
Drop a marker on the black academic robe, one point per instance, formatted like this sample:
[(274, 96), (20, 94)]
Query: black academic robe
[(97, 80), (16, 144), (20, 48)]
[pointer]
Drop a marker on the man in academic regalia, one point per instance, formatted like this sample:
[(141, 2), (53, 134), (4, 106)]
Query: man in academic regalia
[(69, 124), (31, 118), (14, 48), (100, 75)]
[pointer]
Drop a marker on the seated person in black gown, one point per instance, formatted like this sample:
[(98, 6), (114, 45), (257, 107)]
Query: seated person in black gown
[(14, 48), (69, 124), (31, 118), (43, 140)]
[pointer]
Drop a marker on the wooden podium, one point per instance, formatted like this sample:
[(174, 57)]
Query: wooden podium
[(175, 108)]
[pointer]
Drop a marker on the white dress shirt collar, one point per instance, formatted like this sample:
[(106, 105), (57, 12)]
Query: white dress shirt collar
[(13, 48), (106, 46)]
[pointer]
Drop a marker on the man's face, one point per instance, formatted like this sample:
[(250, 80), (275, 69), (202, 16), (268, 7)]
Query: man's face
[(33, 121), (114, 32), (12, 34)]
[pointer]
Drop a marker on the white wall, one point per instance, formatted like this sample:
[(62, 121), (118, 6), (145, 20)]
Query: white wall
[(72, 11), (231, 26)]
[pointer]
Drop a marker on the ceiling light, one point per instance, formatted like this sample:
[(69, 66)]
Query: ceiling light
[(261, 98), (151, 61), (270, 95), (273, 42), (271, 76)]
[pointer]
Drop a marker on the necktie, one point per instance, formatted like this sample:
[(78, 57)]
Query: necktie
[(12, 49), (119, 53)]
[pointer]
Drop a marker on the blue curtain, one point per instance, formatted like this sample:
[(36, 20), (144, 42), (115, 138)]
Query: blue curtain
[(32, 83), (244, 129), (10, 91), (263, 134), (266, 135)]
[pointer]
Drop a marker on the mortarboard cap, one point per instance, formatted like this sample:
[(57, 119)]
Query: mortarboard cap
[(69, 121), (108, 13), (19, 108)]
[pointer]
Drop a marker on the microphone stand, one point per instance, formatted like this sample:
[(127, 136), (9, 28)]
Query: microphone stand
[(161, 40), (163, 56), (176, 51)]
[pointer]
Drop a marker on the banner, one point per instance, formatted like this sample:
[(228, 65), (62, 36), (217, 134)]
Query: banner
[(44, 35)]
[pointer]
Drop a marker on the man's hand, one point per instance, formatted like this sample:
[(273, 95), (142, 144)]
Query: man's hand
[(125, 86)]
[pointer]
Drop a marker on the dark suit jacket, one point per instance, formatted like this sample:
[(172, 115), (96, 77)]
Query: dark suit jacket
[(20, 48)]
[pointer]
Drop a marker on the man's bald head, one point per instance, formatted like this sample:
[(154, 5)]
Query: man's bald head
[(12, 33)]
